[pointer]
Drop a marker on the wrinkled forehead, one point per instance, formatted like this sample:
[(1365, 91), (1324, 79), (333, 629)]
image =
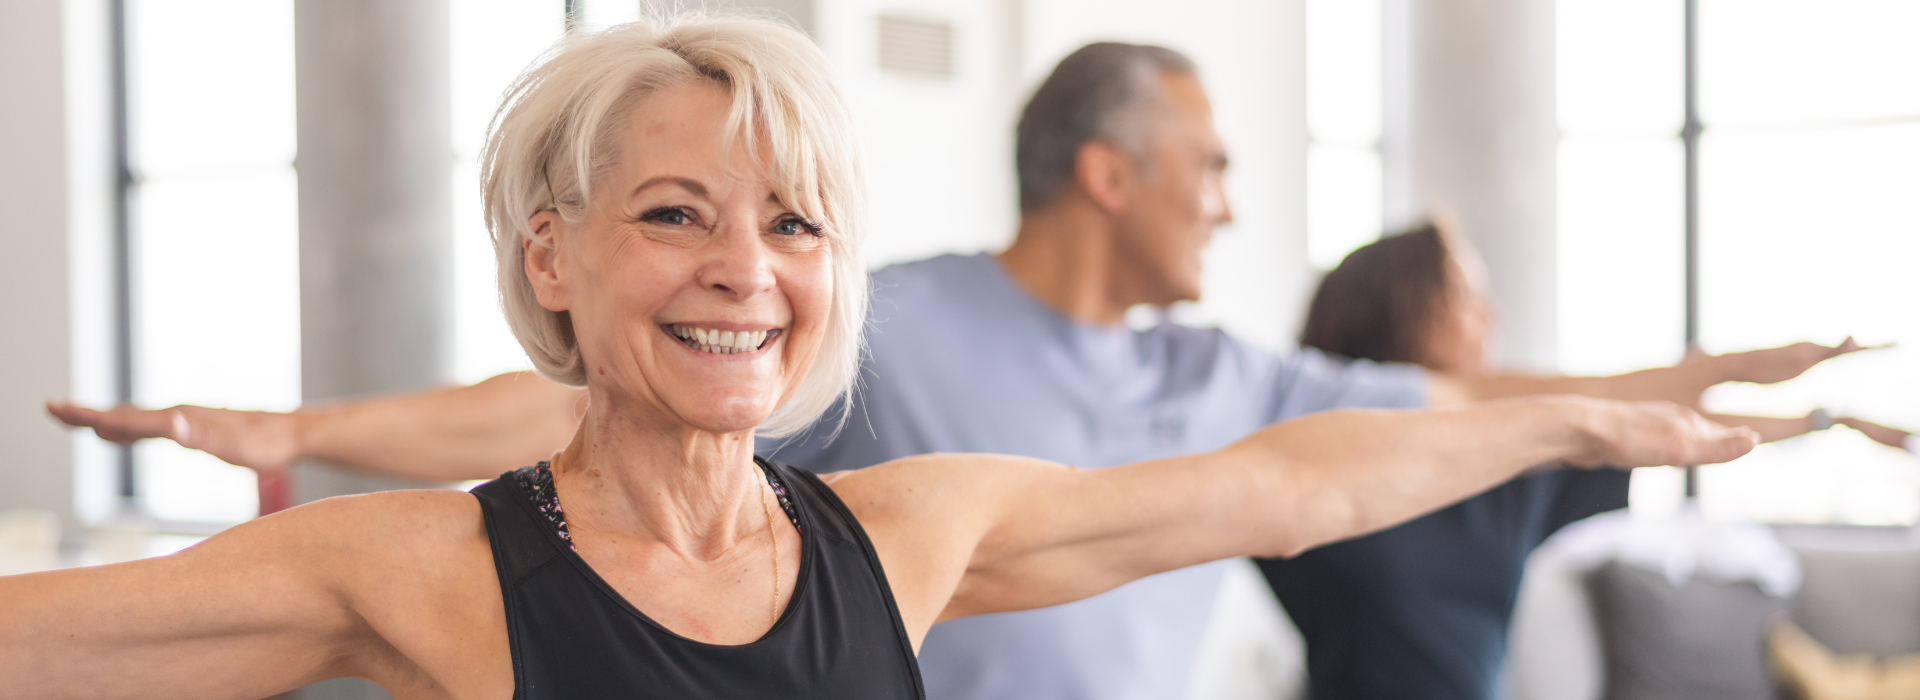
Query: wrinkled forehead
[(702, 130)]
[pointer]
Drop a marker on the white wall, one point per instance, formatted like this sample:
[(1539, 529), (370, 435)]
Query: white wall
[(939, 153)]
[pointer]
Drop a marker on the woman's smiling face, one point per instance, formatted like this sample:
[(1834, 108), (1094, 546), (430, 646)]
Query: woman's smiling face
[(695, 295)]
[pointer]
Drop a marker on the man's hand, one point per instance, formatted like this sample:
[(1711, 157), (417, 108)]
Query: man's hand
[(1774, 365), (255, 439), (1654, 433)]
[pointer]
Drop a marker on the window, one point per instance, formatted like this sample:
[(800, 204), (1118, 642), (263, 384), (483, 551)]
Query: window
[(1344, 200), (492, 42), (212, 246), (1622, 240), (1808, 158)]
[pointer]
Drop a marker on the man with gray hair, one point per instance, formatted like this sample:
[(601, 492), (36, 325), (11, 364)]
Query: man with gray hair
[(1024, 352), (1105, 92)]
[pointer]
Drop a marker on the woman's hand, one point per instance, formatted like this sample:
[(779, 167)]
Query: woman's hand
[(1891, 437), (1774, 365), (253, 439), (470, 432), (1682, 383)]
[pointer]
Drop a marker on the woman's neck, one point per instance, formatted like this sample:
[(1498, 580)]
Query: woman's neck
[(695, 492)]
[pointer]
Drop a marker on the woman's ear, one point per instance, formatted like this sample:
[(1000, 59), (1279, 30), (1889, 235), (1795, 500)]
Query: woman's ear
[(541, 260)]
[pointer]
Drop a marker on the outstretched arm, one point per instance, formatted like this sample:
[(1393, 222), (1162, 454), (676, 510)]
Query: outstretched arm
[(1768, 428), (966, 535), (264, 607), (1681, 383), (1891, 437), (470, 432), (1772, 429)]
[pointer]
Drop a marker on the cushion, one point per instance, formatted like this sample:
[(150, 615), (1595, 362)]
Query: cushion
[(1860, 601), (1813, 672), (1700, 640)]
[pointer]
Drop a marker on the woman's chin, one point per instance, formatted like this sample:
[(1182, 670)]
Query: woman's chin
[(728, 419)]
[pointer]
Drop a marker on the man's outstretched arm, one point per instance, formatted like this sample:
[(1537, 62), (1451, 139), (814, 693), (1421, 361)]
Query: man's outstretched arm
[(469, 432), (1682, 383)]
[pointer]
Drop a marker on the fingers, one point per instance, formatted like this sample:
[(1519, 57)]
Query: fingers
[(122, 424), (1733, 444), (1852, 346), (1656, 433), (72, 414), (1723, 443)]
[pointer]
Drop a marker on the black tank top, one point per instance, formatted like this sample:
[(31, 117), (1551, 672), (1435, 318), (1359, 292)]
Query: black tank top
[(574, 637)]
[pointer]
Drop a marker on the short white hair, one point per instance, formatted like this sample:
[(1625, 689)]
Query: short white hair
[(561, 126)]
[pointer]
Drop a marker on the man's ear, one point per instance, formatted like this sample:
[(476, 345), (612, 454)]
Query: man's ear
[(541, 260), (1106, 174)]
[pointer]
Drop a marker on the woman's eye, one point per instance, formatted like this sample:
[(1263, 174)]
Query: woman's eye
[(671, 216), (795, 227)]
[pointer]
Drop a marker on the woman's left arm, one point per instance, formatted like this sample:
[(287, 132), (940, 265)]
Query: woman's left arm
[(969, 534)]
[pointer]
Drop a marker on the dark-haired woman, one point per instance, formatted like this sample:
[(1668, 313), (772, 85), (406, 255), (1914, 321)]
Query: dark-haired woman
[(1422, 610)]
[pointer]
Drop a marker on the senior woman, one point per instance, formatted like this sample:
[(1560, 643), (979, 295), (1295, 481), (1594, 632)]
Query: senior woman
[(677, 217)]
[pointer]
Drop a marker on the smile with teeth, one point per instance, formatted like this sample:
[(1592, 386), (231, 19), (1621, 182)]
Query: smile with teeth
[(721, 342)]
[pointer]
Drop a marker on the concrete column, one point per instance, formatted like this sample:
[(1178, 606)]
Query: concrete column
[(1471, 126), (34, 292), (375, 158)]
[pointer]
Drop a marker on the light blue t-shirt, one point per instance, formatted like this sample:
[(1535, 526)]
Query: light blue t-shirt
[(963, 360)]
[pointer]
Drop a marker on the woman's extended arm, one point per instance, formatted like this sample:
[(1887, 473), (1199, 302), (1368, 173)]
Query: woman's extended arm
[(469, 432), (1891, 437), (1681, 383), (335, 588), (1773, 429), (967, 535)]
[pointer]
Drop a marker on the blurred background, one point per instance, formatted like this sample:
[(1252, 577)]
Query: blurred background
[(1635, 178)]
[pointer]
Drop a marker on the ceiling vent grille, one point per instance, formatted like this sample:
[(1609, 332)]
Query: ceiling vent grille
[(916, 47)]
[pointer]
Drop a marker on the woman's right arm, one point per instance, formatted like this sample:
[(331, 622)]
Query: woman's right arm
[(259, 609), (470, 432)]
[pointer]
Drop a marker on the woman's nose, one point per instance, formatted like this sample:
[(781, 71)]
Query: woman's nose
[(737, 262)]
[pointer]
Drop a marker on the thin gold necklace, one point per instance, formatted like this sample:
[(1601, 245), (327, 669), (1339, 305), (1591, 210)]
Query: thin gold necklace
[(775, 606)]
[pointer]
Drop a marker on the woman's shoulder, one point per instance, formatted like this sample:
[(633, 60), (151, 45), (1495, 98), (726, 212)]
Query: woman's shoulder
[(375, 531), (415, 509), (412, 566)]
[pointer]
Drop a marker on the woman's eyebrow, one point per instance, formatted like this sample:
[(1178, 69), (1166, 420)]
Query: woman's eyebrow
[(690, 185)]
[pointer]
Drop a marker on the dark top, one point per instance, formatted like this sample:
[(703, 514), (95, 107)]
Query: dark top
[(573, 636), (1422, 610)]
